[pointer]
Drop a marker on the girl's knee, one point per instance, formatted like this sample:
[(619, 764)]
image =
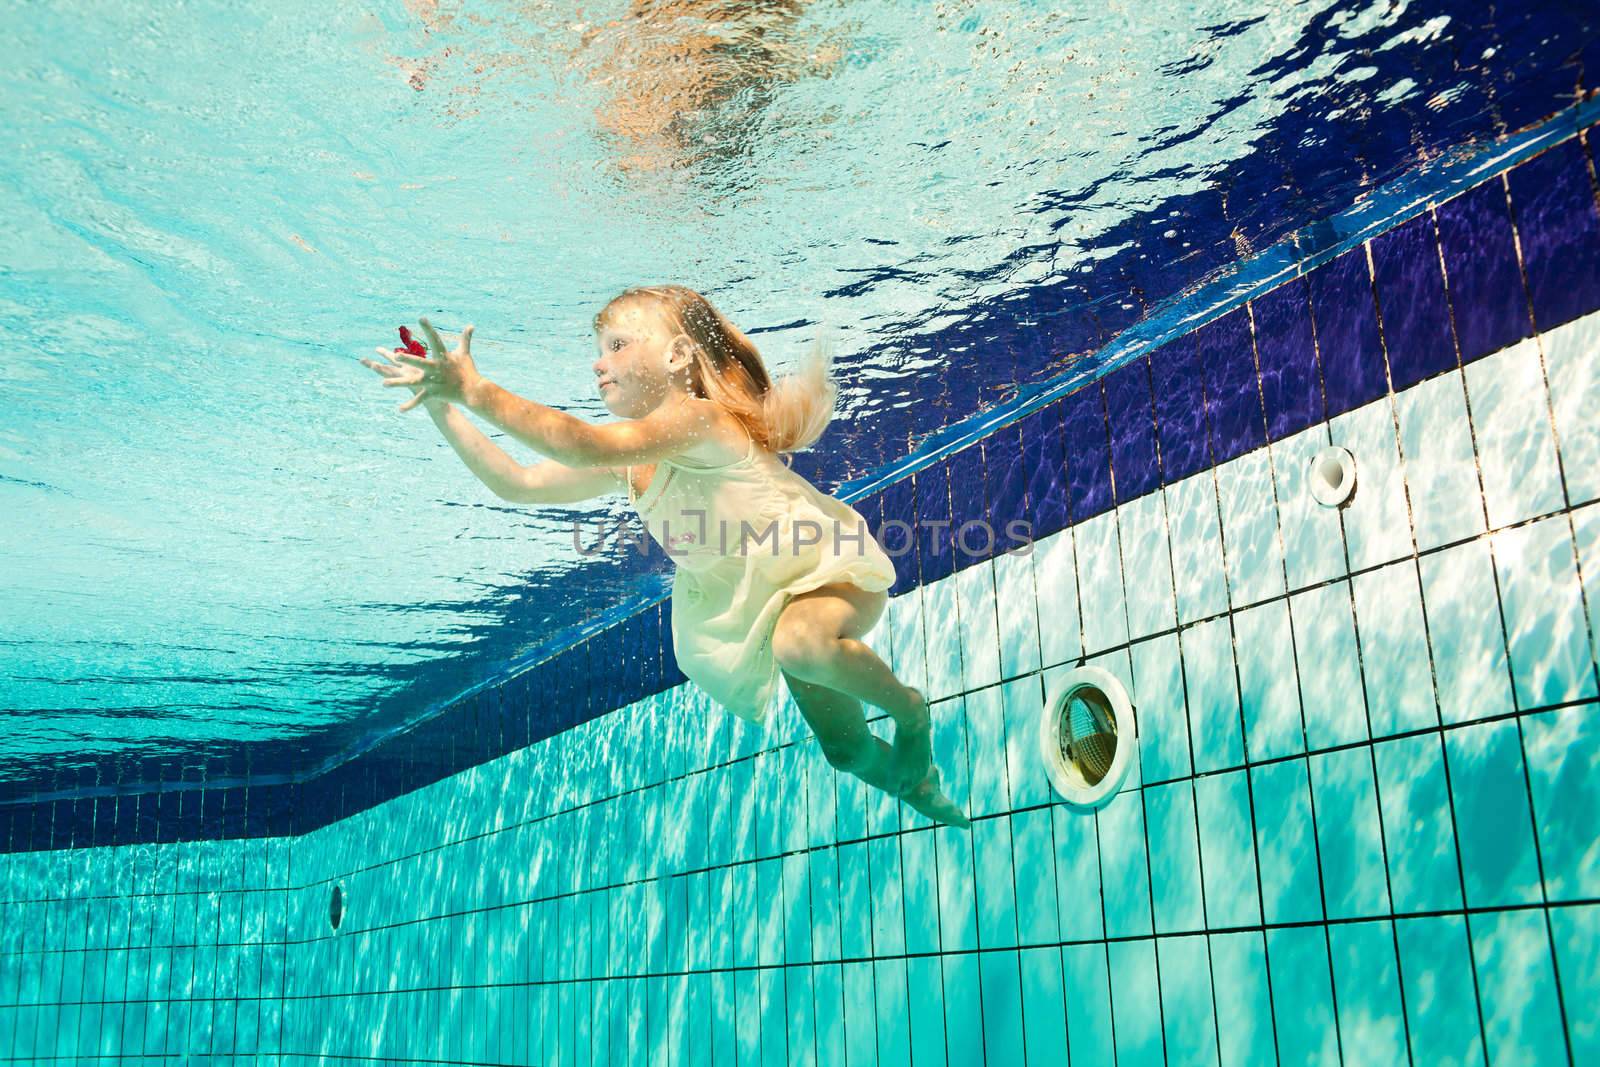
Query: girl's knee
[(797, 647)]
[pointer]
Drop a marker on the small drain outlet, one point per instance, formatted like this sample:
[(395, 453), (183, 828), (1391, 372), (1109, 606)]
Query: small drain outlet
[(336, 907), (1087, 736), (1333, 476)]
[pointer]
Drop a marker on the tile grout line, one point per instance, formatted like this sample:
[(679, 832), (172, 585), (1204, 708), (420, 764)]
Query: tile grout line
[(1516, 698), (1361, 662)]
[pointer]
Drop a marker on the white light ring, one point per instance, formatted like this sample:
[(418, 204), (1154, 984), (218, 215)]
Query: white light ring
[(1068, 782)]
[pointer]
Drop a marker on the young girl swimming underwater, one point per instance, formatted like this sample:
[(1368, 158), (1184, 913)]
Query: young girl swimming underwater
[(773, 576)]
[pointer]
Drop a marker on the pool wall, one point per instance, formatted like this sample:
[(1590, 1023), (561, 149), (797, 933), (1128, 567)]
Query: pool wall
[(1360, 828)]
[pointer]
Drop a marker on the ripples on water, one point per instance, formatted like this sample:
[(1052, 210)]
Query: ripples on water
[(216, 528)]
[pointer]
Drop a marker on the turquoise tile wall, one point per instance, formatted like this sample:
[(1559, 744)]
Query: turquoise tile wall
[(149, 953)]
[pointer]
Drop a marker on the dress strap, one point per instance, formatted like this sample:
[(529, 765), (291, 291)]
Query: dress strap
[(750, 442), (749, 452)]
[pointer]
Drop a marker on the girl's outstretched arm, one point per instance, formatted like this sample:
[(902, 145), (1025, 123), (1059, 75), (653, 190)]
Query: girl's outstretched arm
[(538, 483), (451, 375), (667, 431)]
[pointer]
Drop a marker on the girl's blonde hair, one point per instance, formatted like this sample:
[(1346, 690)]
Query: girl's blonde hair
[(783, 416)]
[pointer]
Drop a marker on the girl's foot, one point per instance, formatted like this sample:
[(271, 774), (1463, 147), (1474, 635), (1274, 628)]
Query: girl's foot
[(913, 744), (929, 799)]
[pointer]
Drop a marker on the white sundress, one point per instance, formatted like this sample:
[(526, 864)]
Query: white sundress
[(737, 533)]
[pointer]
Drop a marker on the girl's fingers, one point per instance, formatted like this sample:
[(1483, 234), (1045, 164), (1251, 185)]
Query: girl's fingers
[(414, 361), (414, 401), (466, 341), (435, 342), (388, 382)]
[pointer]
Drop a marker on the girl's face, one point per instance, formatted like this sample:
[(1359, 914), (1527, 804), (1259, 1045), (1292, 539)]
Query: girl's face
[(639, 368)]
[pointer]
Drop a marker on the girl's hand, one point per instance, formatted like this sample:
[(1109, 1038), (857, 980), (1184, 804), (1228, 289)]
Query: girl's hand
[(448, 375), (399, 375)]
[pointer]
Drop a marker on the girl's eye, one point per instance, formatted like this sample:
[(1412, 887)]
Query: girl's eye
[(615, 345)]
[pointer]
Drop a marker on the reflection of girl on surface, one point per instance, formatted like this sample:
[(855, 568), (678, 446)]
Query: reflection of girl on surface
[(773, 576), (676, 83), (668, 67)]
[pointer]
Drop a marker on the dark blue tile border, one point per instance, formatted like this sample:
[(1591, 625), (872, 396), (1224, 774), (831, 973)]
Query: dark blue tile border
[(1180, 409), (1291, 379), (1346, 322), (969, 503), (1008, 482), (1131, 412), (1088, 441), (1233, 393), (1487, 298), (1559, 232), (1411, 302), (935, 556), (896, 531), (1044, 463)]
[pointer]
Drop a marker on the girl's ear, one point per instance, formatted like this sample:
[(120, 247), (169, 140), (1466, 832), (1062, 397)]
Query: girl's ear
[(680, 352)]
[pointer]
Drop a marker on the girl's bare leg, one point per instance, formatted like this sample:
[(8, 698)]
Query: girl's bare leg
[(841, 728), (817, 640), (850, 746)]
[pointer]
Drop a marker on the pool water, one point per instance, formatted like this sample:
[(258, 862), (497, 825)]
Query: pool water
[(1122, 273)]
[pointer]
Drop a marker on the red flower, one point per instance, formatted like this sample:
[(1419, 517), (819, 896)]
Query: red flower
[(412, 345)]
